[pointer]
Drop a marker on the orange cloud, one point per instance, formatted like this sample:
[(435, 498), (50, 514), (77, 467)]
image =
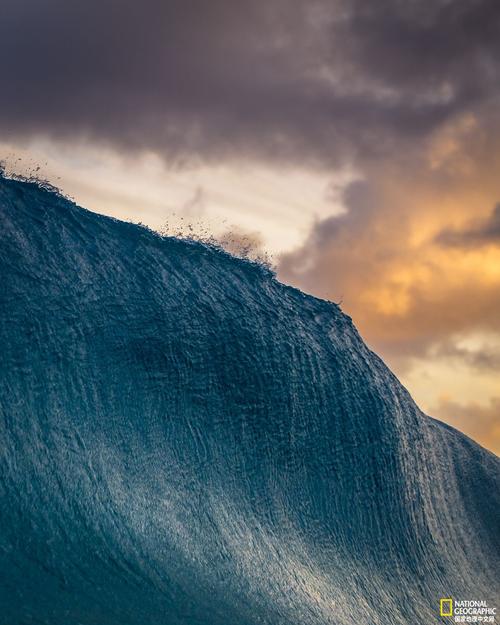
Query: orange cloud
[(415, 260)]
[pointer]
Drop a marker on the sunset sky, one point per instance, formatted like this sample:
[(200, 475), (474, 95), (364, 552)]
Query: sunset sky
[(356, 142)]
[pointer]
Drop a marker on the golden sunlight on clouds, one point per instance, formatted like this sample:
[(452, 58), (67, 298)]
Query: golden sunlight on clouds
[(416, 262)]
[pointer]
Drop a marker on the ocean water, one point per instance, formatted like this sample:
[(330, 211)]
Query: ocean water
[(185, 440)]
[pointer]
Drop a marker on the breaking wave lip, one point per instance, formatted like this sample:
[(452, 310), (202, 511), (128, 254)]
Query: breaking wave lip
[(187, 441), (187, 232)]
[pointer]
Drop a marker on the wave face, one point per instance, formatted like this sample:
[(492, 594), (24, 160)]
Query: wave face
[(187, 441)]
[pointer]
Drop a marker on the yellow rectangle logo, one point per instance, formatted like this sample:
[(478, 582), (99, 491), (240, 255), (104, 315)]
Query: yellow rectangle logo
[(446, 607)]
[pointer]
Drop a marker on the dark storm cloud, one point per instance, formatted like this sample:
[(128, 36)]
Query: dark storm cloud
[(328, 81), (433, 45), (478, 232), (483, 359)]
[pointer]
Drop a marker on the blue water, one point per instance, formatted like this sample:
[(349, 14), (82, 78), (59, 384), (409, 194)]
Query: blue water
[(185, 440)]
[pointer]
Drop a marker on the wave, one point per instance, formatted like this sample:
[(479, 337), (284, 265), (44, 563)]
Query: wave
[(185, 440)]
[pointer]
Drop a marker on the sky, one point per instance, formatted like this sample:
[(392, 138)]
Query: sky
[(357, 143)]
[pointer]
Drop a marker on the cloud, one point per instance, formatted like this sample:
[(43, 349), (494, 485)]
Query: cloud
[(421, 303), (479, 421), (384, 259), (476, 232), (483, 358), (318, 82)]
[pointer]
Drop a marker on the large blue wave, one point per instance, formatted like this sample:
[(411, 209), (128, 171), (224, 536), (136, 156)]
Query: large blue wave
[(187, 441)]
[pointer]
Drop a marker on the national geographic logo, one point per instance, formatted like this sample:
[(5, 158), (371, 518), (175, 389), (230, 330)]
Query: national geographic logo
[(467, 611)]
